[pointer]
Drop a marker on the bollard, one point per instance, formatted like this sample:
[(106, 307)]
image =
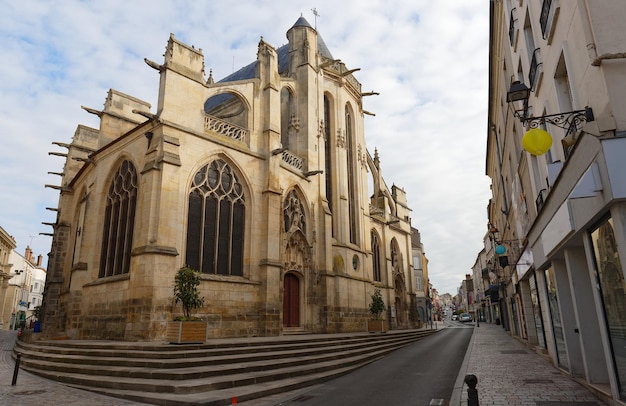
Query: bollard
[(16, 369), (472, 392)]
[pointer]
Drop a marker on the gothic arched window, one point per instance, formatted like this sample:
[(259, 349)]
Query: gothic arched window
[(352, 199), (287, 117), (328, 167), (375, 257), (119, 222), (216, 221)]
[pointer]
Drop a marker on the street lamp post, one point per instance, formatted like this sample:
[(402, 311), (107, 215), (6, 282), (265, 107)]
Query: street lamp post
[(20, 302), (478, 309)]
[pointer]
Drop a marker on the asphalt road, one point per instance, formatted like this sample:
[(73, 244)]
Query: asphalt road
[(422, 373)]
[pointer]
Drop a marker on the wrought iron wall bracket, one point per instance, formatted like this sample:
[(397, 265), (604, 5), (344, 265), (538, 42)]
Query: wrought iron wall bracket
[(567, 121)]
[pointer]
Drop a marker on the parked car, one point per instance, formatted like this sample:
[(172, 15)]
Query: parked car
[(455, 317), (465, 317)]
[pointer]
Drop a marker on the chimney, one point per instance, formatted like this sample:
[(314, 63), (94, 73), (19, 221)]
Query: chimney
[(29, 254), (39, 260)]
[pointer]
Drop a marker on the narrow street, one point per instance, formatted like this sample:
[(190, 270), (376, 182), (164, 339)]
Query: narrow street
[(418, 374)]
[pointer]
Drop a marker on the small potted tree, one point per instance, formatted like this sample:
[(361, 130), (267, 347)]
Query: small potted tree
[(187, 329), (376, 308)]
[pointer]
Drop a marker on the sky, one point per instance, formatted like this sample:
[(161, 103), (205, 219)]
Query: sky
[(427, 59)]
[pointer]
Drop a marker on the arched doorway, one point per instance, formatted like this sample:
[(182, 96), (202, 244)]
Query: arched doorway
[(400, 300), (291, 301), (397, 265)]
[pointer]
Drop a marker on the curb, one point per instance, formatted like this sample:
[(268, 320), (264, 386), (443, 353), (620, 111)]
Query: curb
[(455, 399)]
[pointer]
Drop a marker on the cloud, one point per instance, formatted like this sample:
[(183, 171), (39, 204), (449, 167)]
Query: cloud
[(427, 59)]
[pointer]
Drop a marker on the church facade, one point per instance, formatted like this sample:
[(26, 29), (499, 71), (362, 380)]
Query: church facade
[(259, 181)]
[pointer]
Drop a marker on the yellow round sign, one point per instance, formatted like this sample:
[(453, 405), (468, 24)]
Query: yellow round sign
[(537, 141)]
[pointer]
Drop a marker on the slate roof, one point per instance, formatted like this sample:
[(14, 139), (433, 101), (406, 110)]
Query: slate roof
[(248, 71)]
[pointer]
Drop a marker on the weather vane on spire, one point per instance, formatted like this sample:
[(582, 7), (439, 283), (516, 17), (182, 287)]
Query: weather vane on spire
[(316, 14)]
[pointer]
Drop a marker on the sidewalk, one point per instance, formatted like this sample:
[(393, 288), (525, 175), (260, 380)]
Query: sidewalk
[(511, 373), (33, 390)]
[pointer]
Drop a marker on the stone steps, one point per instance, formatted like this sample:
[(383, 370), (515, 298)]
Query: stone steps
[(211, 373)]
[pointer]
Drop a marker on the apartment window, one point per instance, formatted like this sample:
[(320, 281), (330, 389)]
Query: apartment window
[(119, 220), (529, 36), (544, 19), (534, 73), (512, 28), (550, 10), (545, 11), (216, 220), (419, 280), (535, 70)]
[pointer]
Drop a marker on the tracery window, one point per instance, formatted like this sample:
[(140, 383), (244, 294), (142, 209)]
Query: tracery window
[(352, 202), (216, 221), (119, 221), (328, 172)]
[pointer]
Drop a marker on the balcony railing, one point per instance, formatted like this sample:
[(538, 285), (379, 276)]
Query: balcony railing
[(540, 199), (512, 27), (534, 69), (545, 15), (485, 273), (225, 128), (293, 160)]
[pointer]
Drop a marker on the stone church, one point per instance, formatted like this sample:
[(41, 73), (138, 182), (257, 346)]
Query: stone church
[(261, 181)]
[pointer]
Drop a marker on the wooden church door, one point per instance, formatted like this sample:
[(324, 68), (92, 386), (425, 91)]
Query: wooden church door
[(291, 301)]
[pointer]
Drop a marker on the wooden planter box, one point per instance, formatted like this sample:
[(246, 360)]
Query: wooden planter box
[(187, 332), (377, 326)]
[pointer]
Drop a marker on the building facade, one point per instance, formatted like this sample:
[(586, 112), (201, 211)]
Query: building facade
[(481, 308), (258, 181), (23, 292), (7, 245), (557, 216), (420, 272)]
